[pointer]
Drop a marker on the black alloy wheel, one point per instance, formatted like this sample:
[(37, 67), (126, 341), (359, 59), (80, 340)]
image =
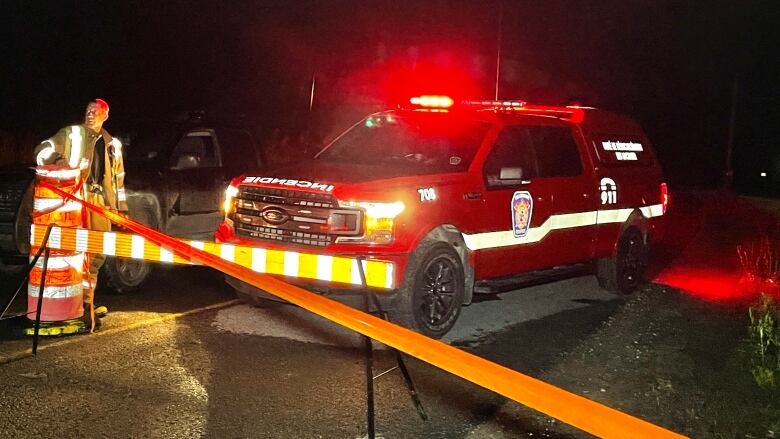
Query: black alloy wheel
[(433, 301), (631, 260)]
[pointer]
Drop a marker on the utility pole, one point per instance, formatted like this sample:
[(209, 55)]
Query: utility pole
[(732, 127)]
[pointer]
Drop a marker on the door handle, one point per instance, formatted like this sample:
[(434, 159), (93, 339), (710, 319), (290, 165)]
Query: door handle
[(472, 195)]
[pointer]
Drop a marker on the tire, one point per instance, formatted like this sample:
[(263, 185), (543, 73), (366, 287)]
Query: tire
[(624, 271), (431, 296), (125, 275)]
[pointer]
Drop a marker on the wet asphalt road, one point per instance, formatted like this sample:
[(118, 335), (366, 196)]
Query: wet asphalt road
[(164, 367)]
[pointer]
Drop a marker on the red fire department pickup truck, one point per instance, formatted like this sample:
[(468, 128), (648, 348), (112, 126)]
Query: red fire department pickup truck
[(464, 198)]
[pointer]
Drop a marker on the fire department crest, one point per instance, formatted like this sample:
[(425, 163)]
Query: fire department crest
[(522, 208)]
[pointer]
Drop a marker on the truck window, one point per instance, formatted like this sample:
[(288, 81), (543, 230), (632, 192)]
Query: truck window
[(198, 145), (557, 154), (513, 149)]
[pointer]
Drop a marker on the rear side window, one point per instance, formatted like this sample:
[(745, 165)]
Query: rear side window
[(622, 150), (197, 147), (556, 152)]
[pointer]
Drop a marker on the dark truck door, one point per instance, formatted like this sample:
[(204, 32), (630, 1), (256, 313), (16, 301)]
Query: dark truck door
[(202, 164), (195, 176)]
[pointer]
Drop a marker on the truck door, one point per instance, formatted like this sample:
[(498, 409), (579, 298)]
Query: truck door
[(195, 169), (535, 202), (572, 234)]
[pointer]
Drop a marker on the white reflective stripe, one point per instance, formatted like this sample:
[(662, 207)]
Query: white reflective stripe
[(324, 267), (166, 255), (504, 238), (45, 153), (109, 244), (258, 260), (82, 237), (571, 220), (46, 204), (197, 244), (32, 234), (59, 174), (291, 264), (61, 262), (137, 247), (228, 252), (613, 216), (652, 211), (389, 272), (117, 147), (86, 283), (50, 292), (55, 237), (75, 146), (120, 174), (354, 274)]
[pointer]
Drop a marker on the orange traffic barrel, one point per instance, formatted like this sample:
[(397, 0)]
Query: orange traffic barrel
[(63, 290), (48, 207)]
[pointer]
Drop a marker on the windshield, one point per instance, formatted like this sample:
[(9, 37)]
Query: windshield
[(414, 144)]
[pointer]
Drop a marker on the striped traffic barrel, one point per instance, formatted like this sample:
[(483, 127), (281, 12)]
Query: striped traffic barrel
[(63, 291)]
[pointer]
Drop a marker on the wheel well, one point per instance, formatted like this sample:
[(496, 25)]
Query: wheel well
[(637, 221), (452, 236), (143, 208)]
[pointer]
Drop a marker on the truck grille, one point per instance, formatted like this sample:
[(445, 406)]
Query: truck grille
[(292, 216)]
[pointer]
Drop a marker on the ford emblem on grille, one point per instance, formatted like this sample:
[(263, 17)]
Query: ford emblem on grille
[(275, 215)]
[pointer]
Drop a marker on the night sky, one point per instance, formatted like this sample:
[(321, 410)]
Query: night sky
[(670, 64)]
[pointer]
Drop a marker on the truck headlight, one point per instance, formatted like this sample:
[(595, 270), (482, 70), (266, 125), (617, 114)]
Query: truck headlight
[(377, 221), (230, 194)]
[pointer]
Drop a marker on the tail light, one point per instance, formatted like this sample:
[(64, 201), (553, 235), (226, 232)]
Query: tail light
[(664, 198)]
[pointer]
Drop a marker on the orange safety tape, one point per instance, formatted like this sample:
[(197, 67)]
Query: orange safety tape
[(565, 406)]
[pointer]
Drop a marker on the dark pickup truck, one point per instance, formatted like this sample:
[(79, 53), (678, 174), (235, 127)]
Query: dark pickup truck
[(176, 176)]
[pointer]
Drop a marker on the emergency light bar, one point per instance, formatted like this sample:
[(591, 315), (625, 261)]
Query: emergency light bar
[(438, 103), (432, 101)]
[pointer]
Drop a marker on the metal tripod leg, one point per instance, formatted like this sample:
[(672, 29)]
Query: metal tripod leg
[(402, 367), (399, 357), (369, 378)]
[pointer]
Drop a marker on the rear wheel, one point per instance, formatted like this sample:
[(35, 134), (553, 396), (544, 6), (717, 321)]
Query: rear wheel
[(431, 297), (624, 271), (126, 275)]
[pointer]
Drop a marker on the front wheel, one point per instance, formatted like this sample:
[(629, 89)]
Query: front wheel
[(431, 296), (624, 271)]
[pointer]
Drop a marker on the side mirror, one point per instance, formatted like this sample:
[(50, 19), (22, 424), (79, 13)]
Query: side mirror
[(510, 174), (187, 161)]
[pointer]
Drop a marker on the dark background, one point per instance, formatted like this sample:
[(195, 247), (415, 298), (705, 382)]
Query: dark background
[(671, 64)]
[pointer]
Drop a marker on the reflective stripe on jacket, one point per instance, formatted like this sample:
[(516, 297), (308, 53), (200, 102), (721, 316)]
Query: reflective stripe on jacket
[(74, 146)]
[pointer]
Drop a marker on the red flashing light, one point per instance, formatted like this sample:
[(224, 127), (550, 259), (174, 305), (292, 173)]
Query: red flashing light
[(664, 198), (432, 101)]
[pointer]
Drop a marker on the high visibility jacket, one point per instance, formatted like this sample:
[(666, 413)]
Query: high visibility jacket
[(74, 146)]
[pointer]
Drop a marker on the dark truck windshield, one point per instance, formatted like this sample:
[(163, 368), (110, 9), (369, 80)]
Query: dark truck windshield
[(415, 144)]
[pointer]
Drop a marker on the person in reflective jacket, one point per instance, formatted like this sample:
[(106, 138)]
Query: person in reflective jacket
[(99, 156)]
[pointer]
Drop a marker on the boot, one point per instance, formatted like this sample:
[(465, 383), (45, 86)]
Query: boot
[(88, 317)]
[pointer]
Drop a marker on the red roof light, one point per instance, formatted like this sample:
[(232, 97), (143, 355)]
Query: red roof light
[(432, 101)]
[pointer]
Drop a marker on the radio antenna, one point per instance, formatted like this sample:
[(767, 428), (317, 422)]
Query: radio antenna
[(498, 44)]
